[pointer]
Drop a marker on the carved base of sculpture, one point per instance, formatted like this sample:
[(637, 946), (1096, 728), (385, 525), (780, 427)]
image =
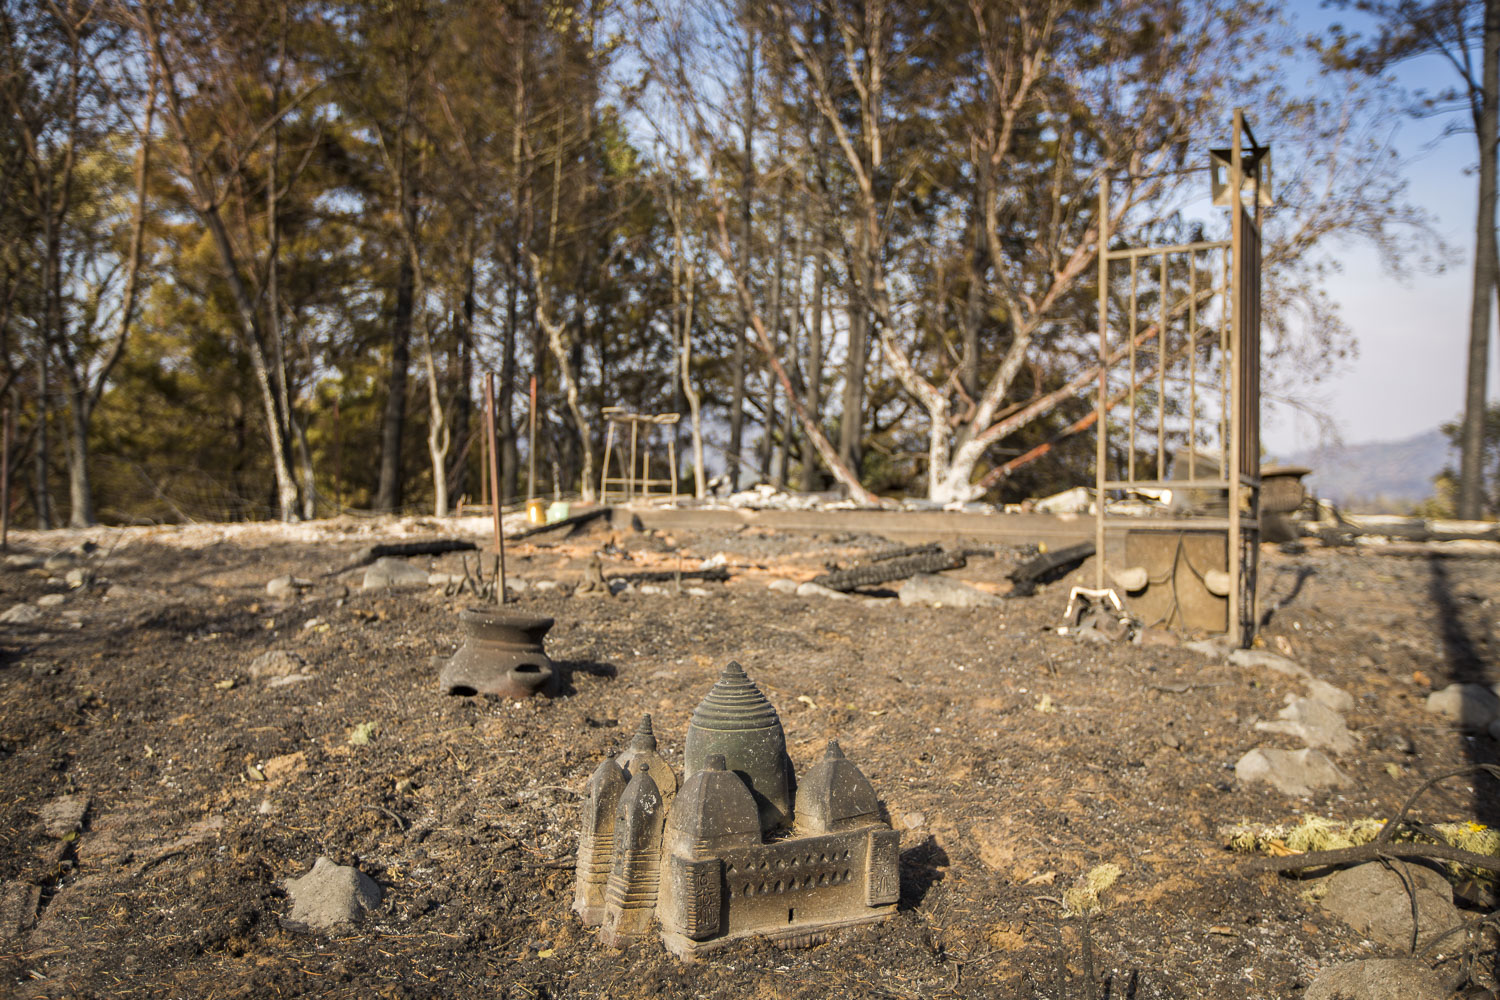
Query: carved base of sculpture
[(502, 655)]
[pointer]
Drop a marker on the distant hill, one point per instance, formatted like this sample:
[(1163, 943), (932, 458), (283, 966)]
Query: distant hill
[(1378, 475)]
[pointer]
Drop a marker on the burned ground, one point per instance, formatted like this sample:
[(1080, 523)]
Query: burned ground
[(1012, 759)]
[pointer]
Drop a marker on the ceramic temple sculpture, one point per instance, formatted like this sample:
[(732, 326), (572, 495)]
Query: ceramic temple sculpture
[(742, 847)]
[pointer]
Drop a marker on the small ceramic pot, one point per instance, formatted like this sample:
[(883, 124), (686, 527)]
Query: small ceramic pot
[(501, 655)]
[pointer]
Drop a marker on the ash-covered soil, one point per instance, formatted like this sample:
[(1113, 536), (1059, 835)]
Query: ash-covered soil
[(1013, 760)]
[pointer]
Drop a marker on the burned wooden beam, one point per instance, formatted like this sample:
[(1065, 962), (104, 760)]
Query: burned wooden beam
[(888, 570), (1047, 568)]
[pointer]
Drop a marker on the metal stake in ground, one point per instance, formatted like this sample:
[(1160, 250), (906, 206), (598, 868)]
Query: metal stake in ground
[(5, 480), (531, 448), (489, 409)]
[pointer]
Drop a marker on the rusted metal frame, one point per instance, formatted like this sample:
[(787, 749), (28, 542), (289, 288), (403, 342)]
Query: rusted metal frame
[(5, 437), (1162, 353), (1130, 252), (630, 472), (609, 444), (1233, 545), (1101, 406), (1134, 311), (1166, 484), (489, 409), (1226, 318), (1193, 364)]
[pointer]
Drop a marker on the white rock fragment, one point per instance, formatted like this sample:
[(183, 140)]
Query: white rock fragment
[(331, 895), (941, 592), (810, 589), (1270, 661), (275, 663), (1313, 723), (1291, 772), (20, 614), (1470, 706), (394, 574)]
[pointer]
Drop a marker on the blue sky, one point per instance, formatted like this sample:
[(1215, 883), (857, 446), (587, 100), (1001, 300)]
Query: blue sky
[(1413, 333)]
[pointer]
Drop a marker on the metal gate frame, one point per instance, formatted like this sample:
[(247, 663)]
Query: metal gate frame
[(1238, 476)]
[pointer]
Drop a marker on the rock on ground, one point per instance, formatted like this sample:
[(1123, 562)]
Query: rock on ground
[(1377, 979), (18, 907), (1271, 661), (389, 573), (330, 895), (50, 600), (1471, 706), (275, 663), (64, 815), (939, 591), (783, 586), (1313, 723), (811, 589), (286, 586), (21, 614), (1291, 772), (1373, 900), (1327, 694)]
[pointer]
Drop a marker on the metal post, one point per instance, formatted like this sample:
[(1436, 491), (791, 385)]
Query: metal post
[(630, 476), (1161, 377), (5, 479), (338, 457), (1193, 365), (1237, 231), (1101, 406), (489, 410), (531, 448)]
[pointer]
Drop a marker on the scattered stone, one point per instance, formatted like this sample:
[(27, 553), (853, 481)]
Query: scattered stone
[(546, 585), (18, 908), (1271, 661), (1156, 637), (517, 584), (331, 895), (63, 816), (1335, 698), (288, 765), (782, 585), (913, 820), (941, 592), (275, 663), (810, 589), (652, 589), (1291, 772), (1377, 979), (276, 682), (78, 576), (1313, 723), (1399, 742), (1470, 706), (1171, 741), (1215, 649), (286, 586), (18, 560), (21, 614), (390, 573), (50, 600), (59, 561), (1373, 900)]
